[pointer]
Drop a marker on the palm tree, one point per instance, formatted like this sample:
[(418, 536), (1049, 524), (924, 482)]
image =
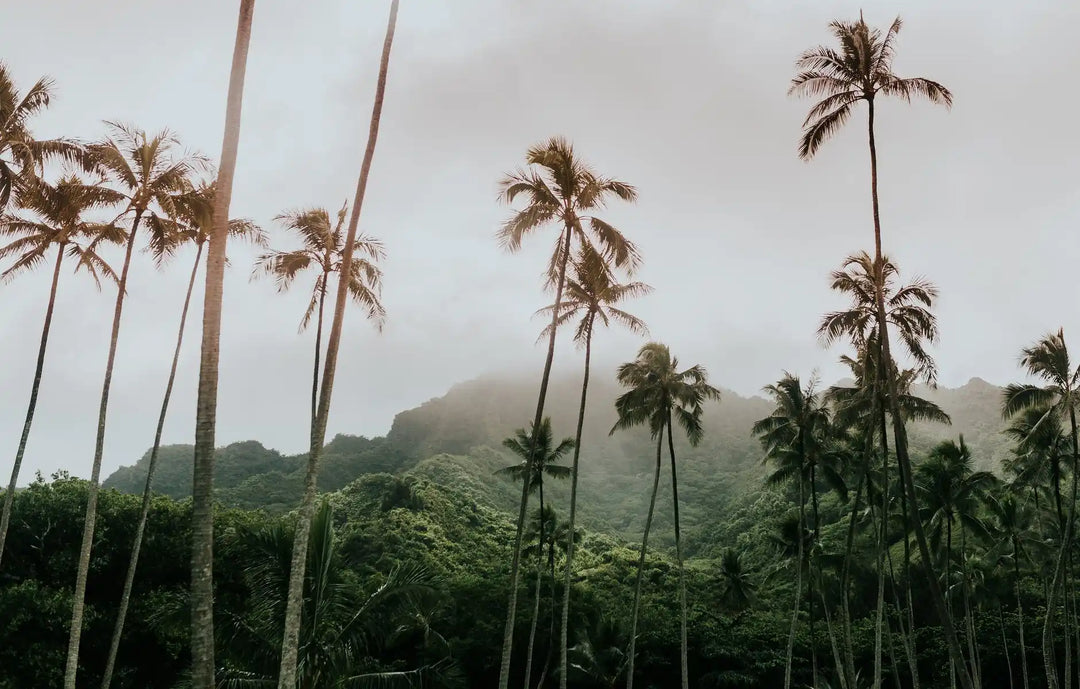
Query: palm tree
[(293, 609), (21, 155), (341, 630), (538, 459), (861, 70), (323, 247), (1048, 359), (795, 436), (193, 225), (951, 493), (591, 295), (148, 174), (659, 393), (202, 486), (57, 221), (739, 589), (561, 189)]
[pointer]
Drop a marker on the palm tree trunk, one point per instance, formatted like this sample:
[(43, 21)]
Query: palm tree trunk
[(565, 623), (79, 598), (899, 432), (515, 563), (1020, 617), (810, 573), (318, 351), (140, 530), (9, 497), (641, 566), (291, 637), (1059, 567), (202, 485), (1005, 645), (539, 578), (798, 580), (678, 557)]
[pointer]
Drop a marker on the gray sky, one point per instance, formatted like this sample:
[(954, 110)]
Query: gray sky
[(684, 99)]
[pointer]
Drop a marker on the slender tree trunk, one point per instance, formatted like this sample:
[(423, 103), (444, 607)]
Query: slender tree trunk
[(79, 599), (539, 578), (9, 497), (318, 351), (1020, 616), (202, 491), (1005, 645), (810, 573), (641, 566), (1059, 567), (678, 557), (841, 672), (565, 623), (511, 606), (900, 439), (798, 581), (291, 637), (140, 530)]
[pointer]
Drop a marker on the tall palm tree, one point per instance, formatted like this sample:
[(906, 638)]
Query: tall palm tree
[(324, 243), (21, 155), (795, 437), (202, 486), (293, 608), (660, 394), (58, 221), (591, 296), (951, 493), (861, 70), (560, 189), (193, 225), (538, 459), (1048, 359), (148, 173)]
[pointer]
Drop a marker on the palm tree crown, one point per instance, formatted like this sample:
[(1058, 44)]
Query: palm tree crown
[(859, 71)]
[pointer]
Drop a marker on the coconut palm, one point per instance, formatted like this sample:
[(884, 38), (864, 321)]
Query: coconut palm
[(795, 437), (202, 486), (538, 459), (193, 225), (861, 71), (659, 394), (21, 155), (1048, 359), (57, 220), (148, 173), (951, 495), (563, 190), (293, 609), (591, 295), (324, 242)]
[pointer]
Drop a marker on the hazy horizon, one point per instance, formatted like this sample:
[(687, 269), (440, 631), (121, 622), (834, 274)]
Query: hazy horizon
[(686, 100)]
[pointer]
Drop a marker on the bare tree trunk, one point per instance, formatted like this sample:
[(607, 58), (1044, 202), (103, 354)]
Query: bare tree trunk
[(798, 581), (539, 578), (565, 623), (678, 558), (9, 497), (79, 599), (291, 637), (140, 530), (641, 567), (202, 485), (900, 433)]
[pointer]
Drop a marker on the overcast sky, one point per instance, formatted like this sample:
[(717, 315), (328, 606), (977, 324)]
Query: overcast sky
[(686, 100)]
